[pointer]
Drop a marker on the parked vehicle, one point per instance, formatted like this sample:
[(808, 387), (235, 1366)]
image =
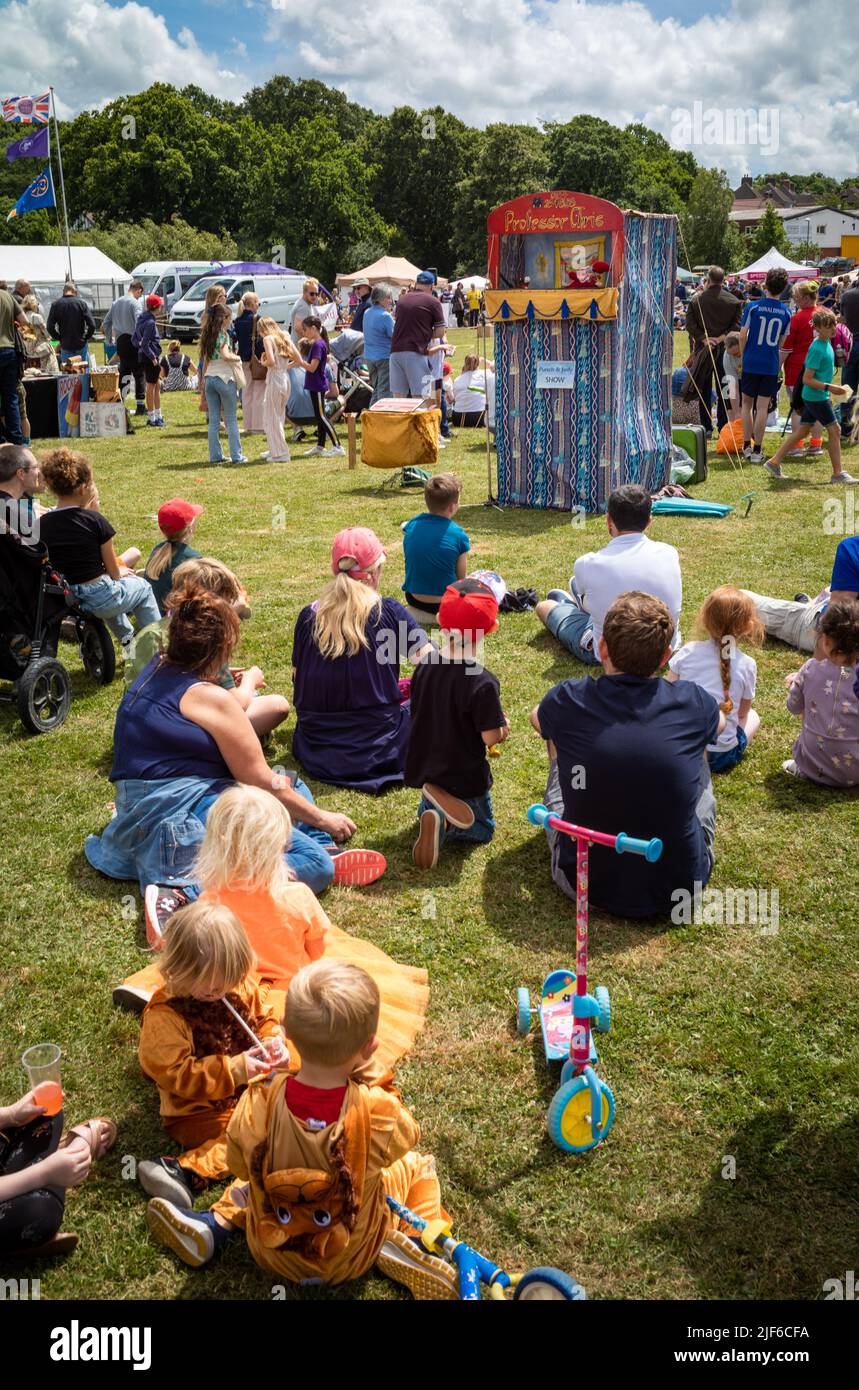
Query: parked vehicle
[(171, 279)]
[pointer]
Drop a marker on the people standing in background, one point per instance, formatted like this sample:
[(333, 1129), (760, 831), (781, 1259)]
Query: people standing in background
[(364, 293), (38, 342), (473, 305), (378, 328), (11, 316), (849, 315), (458, 305), (419, 318), (248, 344), (71, 321), (765, 325), (279, 354), (316, 383), (219, 383), (712, 314), (305, 308), (147, 341), (119, 325)]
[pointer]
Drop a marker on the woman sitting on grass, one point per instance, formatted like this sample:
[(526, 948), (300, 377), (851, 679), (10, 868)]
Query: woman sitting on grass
[(179, 741), (353, 729)]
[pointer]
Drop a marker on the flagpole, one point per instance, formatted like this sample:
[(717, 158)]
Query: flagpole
[(62, 183)]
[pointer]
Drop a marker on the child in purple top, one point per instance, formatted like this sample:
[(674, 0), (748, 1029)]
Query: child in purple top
[(316, 384), (824, 693)]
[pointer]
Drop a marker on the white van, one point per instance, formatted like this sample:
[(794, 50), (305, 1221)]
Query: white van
[(278, 295), (170, 279)]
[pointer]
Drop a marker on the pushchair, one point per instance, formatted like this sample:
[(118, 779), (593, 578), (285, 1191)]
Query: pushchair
[(347, 350), (34, 600)]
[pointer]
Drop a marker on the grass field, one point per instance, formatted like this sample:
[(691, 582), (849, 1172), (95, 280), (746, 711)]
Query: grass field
[(729, 1043)]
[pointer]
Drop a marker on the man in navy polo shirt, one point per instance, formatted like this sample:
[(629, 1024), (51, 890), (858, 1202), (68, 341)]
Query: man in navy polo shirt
[(627, 752)]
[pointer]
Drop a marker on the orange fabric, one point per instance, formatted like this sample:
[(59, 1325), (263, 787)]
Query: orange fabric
[(285, 934), (190, 1085), (388, 1134), (203, 1137), (730, 438)]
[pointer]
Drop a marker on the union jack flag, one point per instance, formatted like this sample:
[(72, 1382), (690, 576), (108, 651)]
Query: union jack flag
[(22, 110)]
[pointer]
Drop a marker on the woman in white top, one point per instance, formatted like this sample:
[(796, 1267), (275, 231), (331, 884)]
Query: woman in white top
[(279, 354), (218, 367), (469, 393)]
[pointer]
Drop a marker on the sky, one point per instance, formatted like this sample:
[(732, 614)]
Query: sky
[(754, 86)]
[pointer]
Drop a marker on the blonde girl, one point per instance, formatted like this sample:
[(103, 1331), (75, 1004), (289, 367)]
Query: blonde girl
[(195, 1049), (717, 664), (279, 354), (352, 729), (265, 712), (176, 521)]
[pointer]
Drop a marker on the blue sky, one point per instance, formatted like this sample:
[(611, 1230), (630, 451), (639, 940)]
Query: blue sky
[(684, 68)]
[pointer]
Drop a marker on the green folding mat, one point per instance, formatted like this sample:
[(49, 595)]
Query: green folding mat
[(694, 441)]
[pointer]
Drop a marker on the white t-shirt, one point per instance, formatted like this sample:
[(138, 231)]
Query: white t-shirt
[(466, 400), (699, 662), (630, 561)]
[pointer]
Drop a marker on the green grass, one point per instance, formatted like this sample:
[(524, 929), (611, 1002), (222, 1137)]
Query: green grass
[(726, 1042)]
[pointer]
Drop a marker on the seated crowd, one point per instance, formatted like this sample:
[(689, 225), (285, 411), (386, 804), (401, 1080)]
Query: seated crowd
[(250, 981)]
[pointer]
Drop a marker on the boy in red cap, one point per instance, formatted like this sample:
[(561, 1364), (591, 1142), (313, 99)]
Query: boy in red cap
[(456, 716)]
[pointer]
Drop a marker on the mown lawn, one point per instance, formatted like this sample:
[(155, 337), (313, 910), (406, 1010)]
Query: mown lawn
[(729, 1042)]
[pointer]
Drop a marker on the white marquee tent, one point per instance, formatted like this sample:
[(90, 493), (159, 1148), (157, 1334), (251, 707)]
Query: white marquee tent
[(99, 278), (772, 260)]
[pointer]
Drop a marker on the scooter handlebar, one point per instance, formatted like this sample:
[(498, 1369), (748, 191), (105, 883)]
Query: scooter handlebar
[(651, 849)]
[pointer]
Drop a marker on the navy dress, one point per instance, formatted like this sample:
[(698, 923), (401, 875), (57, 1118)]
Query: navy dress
[(352, 729)]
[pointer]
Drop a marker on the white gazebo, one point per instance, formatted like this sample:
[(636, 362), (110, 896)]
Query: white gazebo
[(774, 260)]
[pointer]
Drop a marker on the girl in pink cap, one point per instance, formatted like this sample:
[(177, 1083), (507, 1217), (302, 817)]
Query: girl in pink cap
[(352, 727)]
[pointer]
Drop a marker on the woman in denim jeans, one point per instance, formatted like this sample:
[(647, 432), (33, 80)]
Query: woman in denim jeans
[(80, 544), (180, 740), (219, 383)]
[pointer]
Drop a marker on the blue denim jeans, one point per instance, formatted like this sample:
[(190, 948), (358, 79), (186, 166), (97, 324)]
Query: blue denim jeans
[(9, 396), (222, 395), (571, 625), (307, 856), (112, 599), (481, 831)]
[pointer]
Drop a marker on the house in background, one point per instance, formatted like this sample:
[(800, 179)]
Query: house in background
[(806, 220)]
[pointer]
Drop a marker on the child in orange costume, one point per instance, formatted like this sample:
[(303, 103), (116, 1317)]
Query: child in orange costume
[(241, 866), (318, 1154), (195, 1049)]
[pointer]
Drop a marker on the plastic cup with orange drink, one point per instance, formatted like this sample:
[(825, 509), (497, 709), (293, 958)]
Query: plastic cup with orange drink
[(42, 1065)]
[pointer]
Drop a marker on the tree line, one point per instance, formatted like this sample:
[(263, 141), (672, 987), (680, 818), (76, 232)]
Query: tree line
[(298, 173)]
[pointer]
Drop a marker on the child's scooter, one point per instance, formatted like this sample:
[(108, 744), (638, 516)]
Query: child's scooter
[(475, 1269), (582, 1109)]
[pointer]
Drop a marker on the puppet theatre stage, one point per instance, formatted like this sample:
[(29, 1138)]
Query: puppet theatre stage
[(580, 285)]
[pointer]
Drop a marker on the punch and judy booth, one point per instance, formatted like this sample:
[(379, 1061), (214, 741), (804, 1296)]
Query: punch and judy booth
[(581, 300)]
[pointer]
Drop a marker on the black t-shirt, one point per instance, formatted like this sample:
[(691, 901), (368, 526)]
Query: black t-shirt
[(452, 704), (74, 537), (631, 758)]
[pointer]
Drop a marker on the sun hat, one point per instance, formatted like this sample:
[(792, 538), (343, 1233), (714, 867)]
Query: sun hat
[(356, 284), (174, 516), (468, 606), (356, 551), (154, 301)]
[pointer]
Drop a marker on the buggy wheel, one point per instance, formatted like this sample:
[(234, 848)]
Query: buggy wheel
[(44, 694), (549, 1284), (98, 653)]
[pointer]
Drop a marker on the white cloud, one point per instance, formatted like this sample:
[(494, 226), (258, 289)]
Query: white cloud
[(489, 60), (92, 52)]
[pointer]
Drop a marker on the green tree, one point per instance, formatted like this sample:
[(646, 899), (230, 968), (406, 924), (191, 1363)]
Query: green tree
[(282, 101), (707, 236), (419, 158), (660, 178), (769, 232), (510, 160), (590, 155), (131, 243)]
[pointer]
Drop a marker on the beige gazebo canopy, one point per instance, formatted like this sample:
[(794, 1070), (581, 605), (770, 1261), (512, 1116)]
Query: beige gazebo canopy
[(388, 270)]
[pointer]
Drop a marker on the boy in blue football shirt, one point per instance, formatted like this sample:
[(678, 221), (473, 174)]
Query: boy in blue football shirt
[(764, 325), (817, 390), (435, 548)]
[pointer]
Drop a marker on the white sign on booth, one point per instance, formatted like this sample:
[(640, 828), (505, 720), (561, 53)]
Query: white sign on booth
[(556, 376)]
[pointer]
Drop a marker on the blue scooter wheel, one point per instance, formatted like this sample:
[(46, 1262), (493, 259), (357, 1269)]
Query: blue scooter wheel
[(568, 1120), (548, 1283), (602, 1023), (523, 1012)]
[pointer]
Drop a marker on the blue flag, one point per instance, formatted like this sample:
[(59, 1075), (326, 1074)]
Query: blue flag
[(33, 146), (40, 194)]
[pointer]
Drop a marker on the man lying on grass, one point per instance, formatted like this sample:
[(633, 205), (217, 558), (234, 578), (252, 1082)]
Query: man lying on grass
[(628, 752)]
